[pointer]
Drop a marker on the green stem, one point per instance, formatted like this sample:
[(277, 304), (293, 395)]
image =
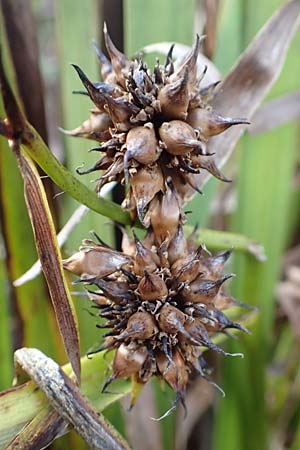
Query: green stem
[(39, 152), (222, 240)]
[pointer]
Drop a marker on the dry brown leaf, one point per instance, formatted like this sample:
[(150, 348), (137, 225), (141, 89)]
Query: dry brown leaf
[(49, 255), (275, 113)]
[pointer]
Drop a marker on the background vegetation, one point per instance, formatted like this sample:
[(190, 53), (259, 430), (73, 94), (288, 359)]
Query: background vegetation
[(262, 405)]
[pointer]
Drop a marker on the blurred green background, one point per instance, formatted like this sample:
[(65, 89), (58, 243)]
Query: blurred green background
[(262, 405)]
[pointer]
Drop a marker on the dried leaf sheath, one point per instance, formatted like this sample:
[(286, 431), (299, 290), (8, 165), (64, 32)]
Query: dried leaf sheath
[(49, 255)]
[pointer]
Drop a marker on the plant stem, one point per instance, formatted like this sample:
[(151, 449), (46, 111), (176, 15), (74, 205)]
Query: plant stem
[(39, 152)]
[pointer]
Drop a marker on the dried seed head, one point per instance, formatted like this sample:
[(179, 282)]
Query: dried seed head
[(161, 120), (161, 297), (160, 310)]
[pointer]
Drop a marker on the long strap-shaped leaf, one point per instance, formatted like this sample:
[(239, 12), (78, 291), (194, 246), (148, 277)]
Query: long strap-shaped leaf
[(49, 255)]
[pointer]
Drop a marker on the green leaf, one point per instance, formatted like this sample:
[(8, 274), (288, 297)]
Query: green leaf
[(220, 240)]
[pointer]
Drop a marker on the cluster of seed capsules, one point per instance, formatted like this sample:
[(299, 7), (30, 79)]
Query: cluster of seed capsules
[(161, 296)]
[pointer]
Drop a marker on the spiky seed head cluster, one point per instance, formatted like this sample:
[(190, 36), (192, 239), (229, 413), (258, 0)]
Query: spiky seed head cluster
[(161, 297), (161, 303), (152, 129)]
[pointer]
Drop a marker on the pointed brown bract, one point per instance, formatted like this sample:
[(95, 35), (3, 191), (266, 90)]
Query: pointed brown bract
[(96, 95), (145, 260), (152, 287), (128, 360), (178, 246), (171, 319), (140, 325), (175, 374), (97, 123), (120, 111), (95, 261), (174, 98), (189, 65), (209, 123), (146, 183), (203, 290), (119, 61)]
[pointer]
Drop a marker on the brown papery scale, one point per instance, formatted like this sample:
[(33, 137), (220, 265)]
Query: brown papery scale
[(162, 297)]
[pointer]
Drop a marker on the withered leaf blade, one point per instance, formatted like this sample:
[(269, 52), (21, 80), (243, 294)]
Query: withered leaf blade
[(251, 79), (68, 401), (49, 255), (275, 113), (40, 431)]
